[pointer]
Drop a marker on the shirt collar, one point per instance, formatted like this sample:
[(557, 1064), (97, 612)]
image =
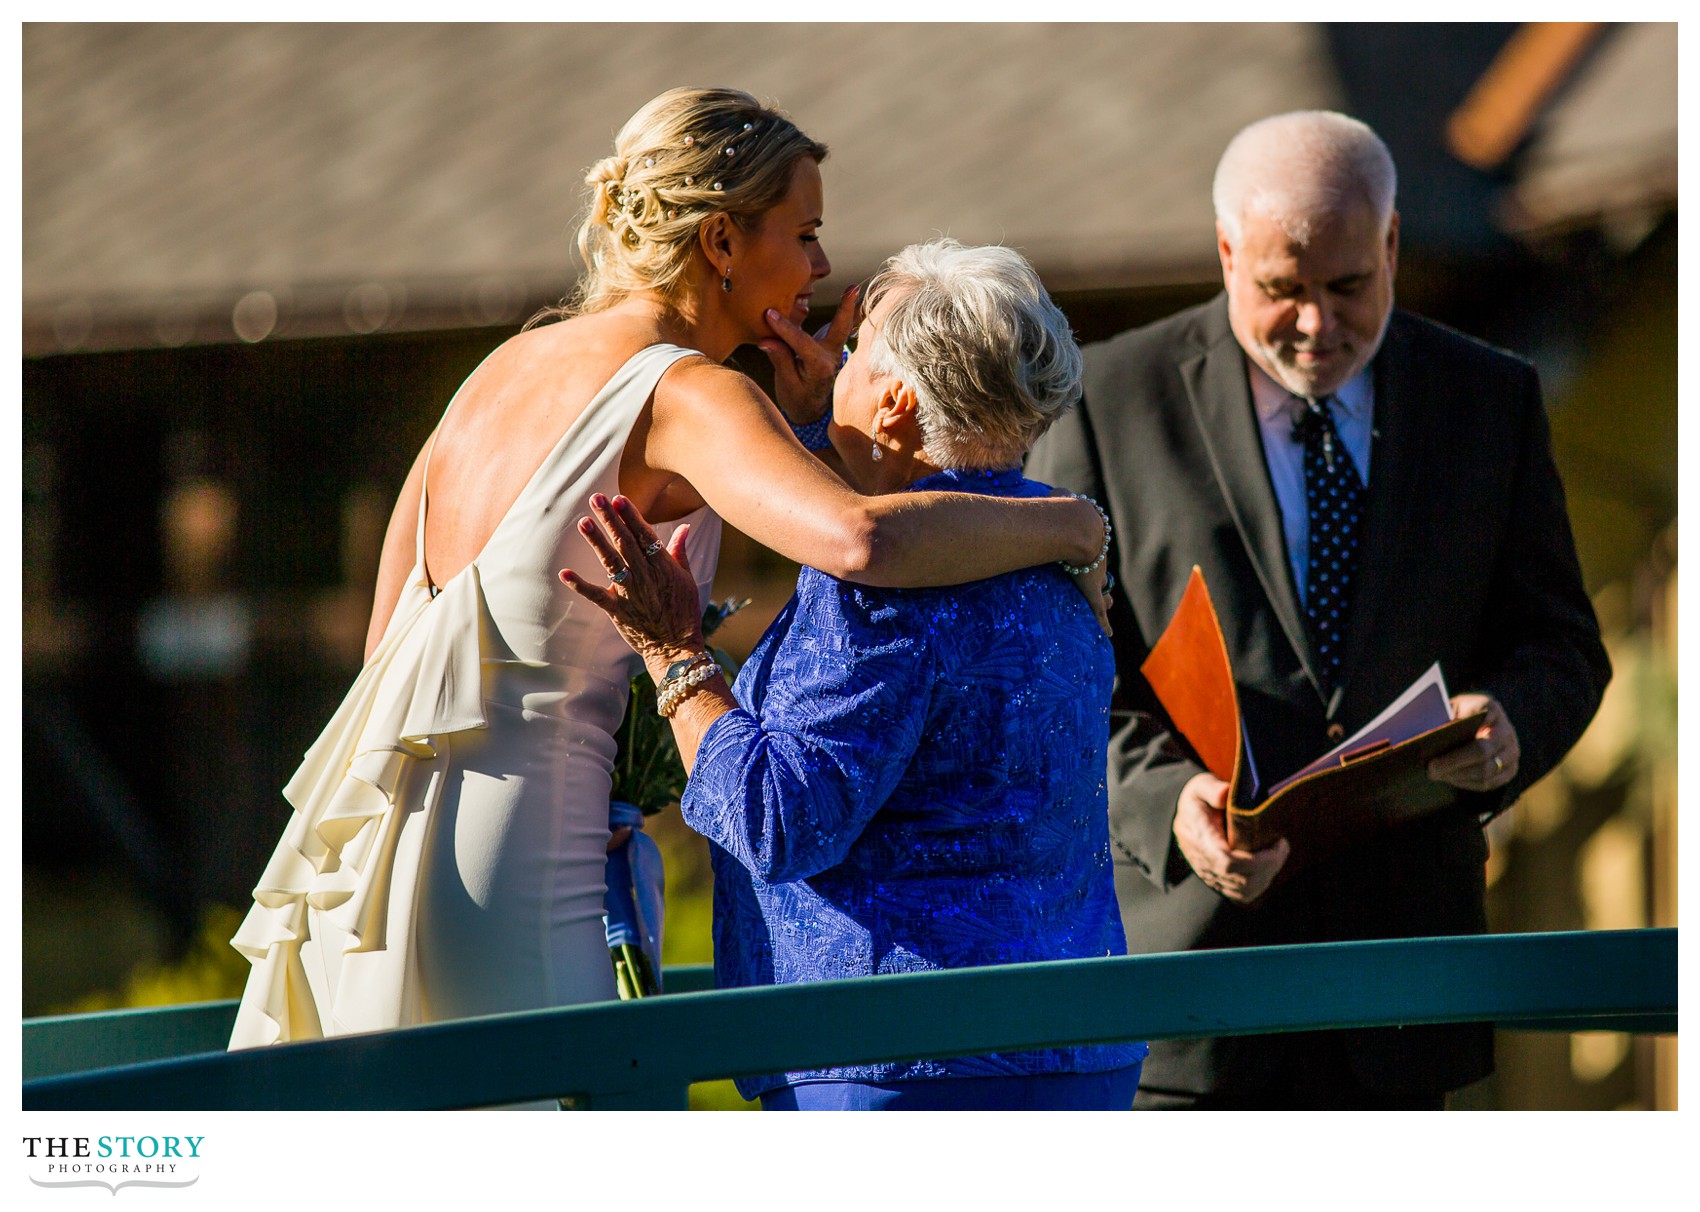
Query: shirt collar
[(1274, 401), (968, 479)]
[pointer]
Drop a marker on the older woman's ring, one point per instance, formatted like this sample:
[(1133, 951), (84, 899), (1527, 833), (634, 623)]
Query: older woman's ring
[(1498, 763), (1109, 582), (654, 548), (619, 578)]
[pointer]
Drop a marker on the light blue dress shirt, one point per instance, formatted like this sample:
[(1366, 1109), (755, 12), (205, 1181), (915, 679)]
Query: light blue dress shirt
[(1353, 409)]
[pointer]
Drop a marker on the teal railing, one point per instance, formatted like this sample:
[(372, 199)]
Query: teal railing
[(645, 1054)]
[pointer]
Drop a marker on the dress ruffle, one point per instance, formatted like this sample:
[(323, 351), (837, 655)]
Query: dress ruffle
[(364, 798)]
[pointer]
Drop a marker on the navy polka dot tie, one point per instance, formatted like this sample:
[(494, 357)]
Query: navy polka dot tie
[(1334, 499)]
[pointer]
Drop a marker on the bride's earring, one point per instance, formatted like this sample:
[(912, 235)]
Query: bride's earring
[(878, 453), (726, 280)]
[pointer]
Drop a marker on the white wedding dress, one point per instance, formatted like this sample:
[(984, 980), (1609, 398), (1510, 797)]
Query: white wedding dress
[(445, 857)]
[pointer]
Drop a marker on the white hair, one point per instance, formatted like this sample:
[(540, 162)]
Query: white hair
[(1302, 167), (990, 357)]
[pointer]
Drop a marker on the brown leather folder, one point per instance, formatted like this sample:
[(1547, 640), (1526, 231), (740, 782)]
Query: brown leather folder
[(1361, 790)]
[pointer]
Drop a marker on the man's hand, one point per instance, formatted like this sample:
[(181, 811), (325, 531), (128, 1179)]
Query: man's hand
[(1489, 761), (1201, 831)]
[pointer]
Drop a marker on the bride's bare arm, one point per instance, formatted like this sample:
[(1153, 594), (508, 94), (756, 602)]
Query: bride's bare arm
[(716, 429), (398, 554)]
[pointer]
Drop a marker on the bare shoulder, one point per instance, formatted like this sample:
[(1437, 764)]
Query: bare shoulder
[(693, 384), (698, 375)]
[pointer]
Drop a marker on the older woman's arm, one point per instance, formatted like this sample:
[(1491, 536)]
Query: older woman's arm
[(788, 787), (785, 792), (788, 790)]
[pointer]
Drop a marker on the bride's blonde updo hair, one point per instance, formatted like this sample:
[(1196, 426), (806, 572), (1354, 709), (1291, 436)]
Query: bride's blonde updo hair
[(684, 156)]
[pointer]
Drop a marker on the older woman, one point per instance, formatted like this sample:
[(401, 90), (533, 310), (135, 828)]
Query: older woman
[(906, 779), (447, 850)]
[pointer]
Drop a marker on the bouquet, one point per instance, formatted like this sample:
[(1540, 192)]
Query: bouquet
[(649, 775)]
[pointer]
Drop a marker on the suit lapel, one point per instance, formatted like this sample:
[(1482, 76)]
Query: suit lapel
[(1220, 394), (1395, 474)]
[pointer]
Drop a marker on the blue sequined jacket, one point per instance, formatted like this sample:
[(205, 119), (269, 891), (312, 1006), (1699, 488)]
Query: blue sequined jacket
[(915, 782)]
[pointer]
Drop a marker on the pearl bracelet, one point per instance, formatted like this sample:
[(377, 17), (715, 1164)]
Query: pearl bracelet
[(1103, 551), (675, 690)]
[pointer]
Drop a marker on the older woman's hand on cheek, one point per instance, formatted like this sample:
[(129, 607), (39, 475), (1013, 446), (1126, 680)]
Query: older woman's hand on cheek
[(804, 366)]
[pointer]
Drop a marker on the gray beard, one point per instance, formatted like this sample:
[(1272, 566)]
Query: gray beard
[(1282, 373)]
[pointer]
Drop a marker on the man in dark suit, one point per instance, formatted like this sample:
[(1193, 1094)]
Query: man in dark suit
[(1367, 493)]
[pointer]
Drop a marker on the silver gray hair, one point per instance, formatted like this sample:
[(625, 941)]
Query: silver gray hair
[(991, 358), (1302, 167)]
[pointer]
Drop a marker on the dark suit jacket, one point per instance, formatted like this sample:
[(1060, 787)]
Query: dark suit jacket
[(1467, 558)]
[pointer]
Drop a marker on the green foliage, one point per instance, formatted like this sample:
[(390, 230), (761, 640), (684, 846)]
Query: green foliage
[(212, 970), (648, 771)]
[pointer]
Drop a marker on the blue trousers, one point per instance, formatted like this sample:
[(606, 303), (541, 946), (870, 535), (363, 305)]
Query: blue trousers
[(1109, 1091)]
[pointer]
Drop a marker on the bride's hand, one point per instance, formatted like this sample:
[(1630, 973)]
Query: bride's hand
[(804, 366), (651, 594), (1096, 584)]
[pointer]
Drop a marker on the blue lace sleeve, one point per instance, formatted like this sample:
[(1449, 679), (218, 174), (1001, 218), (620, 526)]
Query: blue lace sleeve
[(843, 705)]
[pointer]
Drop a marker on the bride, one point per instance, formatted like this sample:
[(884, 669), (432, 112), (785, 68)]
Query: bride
[(446, 851)]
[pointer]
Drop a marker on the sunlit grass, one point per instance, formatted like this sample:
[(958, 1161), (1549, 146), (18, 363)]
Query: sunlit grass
[(719, 1096)]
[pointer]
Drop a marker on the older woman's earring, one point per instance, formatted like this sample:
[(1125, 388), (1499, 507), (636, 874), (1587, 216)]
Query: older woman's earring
[(726, 280), (878, 453)]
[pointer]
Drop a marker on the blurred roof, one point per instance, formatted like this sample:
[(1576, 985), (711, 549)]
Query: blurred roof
[(191, 183), (424, 175), (1606, 149)]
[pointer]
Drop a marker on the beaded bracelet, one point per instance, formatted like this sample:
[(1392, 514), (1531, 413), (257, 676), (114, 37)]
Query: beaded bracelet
[(1103, 551), (666, 683), (675, 690), (813, 435)]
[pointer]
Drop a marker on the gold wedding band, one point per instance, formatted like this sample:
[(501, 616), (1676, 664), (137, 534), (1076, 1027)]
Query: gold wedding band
[(1498, 763)]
